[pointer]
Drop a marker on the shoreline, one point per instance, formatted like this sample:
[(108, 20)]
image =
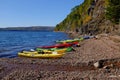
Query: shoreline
[(74, 65)]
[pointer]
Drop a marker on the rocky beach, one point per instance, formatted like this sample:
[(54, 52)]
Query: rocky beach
[(96, 59)]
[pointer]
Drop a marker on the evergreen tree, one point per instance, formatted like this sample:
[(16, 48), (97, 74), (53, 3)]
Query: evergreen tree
[(113, 11)]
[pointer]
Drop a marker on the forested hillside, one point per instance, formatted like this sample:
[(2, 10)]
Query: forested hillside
[(93, 17)]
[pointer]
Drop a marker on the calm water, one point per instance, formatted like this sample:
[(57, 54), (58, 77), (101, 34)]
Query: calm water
[(11, 42)]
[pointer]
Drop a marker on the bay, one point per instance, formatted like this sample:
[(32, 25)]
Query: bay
[(11, 42)]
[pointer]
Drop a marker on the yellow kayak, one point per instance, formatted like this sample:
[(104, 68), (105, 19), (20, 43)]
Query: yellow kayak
[(36, 54)]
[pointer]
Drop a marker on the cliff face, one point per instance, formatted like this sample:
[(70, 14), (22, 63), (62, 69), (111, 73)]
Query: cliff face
[(88, 18), (98, 22)]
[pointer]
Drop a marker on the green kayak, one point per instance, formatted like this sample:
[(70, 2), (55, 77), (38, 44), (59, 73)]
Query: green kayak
[(70, 40), (68, 49)]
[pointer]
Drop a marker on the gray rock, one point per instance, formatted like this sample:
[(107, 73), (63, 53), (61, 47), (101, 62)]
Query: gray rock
[(98, 64)]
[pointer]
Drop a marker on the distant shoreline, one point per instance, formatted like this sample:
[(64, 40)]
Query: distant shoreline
[(32, 28), (29, 30)]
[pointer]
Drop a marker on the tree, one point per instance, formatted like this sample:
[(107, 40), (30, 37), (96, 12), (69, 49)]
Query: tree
[(113, 11)]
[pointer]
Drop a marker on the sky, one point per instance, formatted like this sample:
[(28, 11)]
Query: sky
[(25, 13)]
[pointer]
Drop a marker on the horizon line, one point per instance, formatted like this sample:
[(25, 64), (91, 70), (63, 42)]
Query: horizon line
[(26, 26)]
